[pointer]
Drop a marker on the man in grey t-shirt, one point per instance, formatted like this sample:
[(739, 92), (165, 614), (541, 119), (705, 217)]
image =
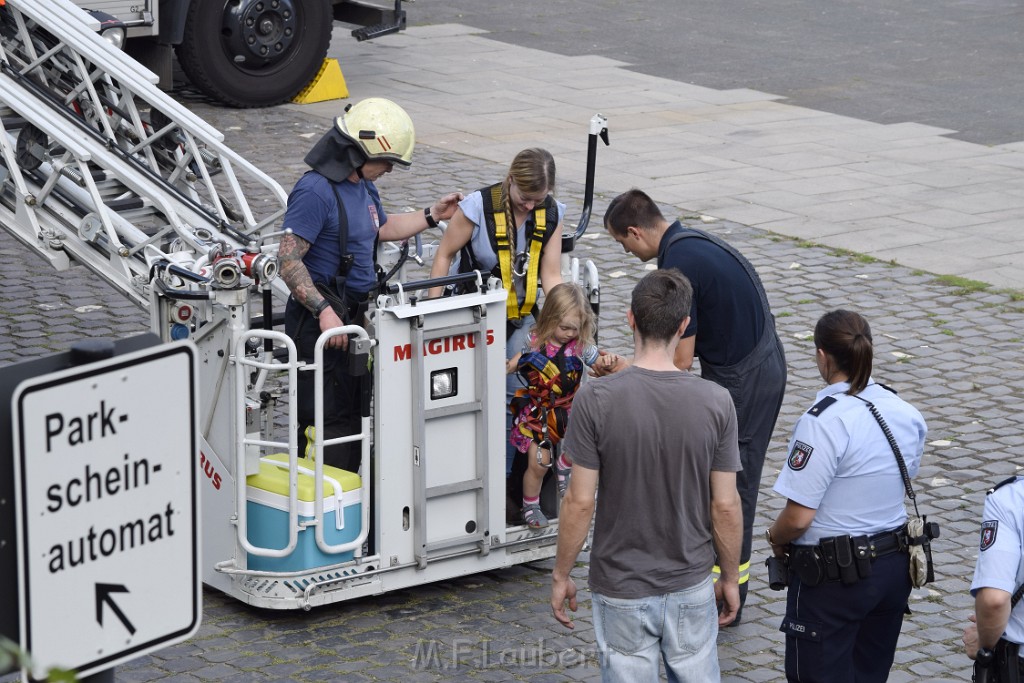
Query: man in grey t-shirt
[(658, 446)]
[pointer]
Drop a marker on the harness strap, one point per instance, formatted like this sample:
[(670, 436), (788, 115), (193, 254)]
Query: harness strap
[(536, 243), (494, 211), (504, 251)]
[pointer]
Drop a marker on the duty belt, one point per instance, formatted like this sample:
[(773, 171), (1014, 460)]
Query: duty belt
[(844, 558), (888, 542)]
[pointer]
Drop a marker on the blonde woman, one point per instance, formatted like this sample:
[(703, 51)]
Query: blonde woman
[(513, 230)]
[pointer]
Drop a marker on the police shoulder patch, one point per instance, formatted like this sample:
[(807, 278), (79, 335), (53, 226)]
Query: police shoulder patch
[(799, 456), (988, 533), (819, 407)]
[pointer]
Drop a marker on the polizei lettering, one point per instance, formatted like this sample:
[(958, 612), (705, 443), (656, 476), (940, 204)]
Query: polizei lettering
[(434, 347)]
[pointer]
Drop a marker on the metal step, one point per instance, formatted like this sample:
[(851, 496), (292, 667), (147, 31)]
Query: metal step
[(376, 31)]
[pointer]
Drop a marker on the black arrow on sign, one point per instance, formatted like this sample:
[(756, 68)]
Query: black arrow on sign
[(103, 591)]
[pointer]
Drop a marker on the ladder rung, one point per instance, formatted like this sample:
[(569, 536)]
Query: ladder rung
[(454, 487), (126, 204)]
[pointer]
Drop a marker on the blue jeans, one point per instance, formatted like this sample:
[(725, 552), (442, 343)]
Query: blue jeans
[(682, 627)]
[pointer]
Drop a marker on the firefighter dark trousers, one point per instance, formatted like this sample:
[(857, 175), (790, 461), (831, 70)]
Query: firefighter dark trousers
[(346, 398), (757, 385)]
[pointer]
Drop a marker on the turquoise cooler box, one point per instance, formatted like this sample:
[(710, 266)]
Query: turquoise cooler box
[(267, 514)]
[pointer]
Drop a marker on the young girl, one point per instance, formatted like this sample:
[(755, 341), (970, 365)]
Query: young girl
[(551, 362)]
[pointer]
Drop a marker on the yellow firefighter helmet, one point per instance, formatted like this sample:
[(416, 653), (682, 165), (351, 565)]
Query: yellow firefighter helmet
[(381, 128)]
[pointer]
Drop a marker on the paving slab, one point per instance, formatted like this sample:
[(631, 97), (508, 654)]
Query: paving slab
[(736, 129)]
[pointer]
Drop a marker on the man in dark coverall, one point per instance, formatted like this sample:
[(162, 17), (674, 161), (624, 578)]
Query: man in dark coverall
[(732, 331)]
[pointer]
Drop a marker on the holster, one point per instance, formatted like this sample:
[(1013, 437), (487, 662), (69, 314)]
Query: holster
[(778, 572), (1007, 662), (1004, 668), (808, 564)]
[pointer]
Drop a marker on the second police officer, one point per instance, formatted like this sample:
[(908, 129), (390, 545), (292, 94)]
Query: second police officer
[(843, 525), (994, 642)]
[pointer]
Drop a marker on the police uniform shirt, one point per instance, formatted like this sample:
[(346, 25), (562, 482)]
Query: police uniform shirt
[(1000, 555), (841, 465)]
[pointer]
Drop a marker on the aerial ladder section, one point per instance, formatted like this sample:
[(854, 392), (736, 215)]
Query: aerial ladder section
[(99, 168), (103, 169)]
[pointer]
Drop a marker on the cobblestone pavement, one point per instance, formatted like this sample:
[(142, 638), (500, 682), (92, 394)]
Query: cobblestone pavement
[(954, 353)]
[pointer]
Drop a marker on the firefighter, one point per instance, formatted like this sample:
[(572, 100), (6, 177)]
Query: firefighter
[(336, 217)]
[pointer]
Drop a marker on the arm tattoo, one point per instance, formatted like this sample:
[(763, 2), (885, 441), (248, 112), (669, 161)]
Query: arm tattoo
[(294, 271)]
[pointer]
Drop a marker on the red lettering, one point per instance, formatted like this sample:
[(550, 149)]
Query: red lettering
[(403, 352), (208, 469), (458, 342)]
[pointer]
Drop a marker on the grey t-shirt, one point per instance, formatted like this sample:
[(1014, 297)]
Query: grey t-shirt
[(655, 437)]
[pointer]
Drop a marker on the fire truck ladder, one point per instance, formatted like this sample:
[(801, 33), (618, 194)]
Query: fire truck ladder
[(100, 167)]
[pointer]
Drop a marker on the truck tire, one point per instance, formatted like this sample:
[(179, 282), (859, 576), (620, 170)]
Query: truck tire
[(254, 53)]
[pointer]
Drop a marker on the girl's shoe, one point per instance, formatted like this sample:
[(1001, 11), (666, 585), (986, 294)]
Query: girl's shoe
[(534, 517)]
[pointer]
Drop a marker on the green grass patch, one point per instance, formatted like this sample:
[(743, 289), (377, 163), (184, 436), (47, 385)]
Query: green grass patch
[(848, 253), (963, 285)]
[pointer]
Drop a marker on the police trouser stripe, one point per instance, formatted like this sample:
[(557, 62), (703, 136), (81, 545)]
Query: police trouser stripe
[(744, 568)]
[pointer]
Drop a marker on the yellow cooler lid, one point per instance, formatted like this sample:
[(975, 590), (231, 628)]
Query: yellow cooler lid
[(273, 477)]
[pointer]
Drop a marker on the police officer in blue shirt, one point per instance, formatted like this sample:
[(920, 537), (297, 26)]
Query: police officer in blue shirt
[(328, 259), (994, 642), (843, 525)]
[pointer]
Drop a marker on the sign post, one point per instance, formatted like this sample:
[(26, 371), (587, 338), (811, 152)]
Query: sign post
[(107, 512)]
